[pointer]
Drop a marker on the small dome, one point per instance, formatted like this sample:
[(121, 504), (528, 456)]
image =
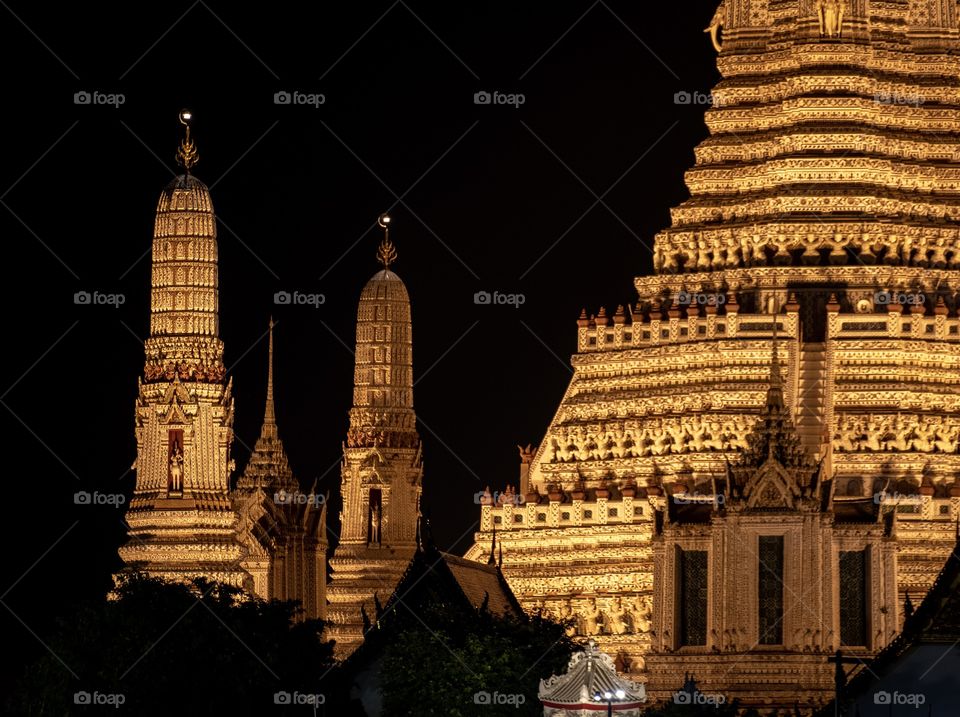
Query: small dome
[(185, 193)]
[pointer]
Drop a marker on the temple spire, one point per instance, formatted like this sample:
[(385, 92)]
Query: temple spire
[(187, 155), (269, 414)]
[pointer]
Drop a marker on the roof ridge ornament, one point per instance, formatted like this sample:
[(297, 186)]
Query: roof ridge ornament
[(387, 252), (187, 154)]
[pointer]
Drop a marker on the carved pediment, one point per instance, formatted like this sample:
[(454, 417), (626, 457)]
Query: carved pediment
[(771, 487), (371, 477), (174, 414), (373, 458), (176, 392)]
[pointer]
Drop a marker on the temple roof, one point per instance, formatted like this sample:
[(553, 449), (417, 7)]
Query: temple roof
[(433, 573), (481, 583), (588, 673), (434, 579)]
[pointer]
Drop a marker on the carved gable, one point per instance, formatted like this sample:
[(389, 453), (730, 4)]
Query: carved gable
[(771, 487)]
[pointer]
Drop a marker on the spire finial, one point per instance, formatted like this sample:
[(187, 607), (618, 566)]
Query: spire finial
[(187, 155), (269, 416), (387, 253)]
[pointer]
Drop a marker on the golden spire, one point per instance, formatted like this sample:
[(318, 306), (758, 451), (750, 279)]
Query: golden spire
[(269, 416), (387, 253), (187, 154)]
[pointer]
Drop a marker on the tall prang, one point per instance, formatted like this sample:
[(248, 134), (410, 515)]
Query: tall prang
[(824, 210), (181, 524), (382, 469)]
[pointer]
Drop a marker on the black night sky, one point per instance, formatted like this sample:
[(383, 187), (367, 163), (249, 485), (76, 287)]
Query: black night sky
[(557, 199)]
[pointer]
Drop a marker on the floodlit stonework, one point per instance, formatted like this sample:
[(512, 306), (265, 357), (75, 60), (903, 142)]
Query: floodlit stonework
[(181, 522), (282, 528), (823, 220), (184, 520), (266, 534), (382, 470)]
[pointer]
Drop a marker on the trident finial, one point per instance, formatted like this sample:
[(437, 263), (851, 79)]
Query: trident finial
[(387, 253), (187, 154)]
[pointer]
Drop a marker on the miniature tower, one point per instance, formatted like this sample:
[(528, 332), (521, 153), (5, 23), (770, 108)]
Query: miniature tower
[(181, 524), (382, 468), (282, 530)]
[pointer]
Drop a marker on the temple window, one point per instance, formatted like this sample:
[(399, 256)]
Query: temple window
[(692, 569), (853, 593), (770, 589)]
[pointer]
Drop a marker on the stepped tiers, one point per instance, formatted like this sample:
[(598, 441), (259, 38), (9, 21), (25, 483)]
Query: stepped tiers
[(184, 324), (382, 470), (826, 149), (382, 413), (817, 251)]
